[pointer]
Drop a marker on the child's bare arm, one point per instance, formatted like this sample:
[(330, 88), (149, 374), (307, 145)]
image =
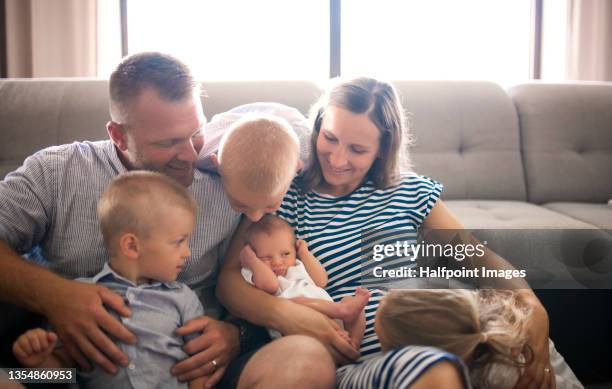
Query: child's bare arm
[(36, 348), (263, 277), (313, 266)]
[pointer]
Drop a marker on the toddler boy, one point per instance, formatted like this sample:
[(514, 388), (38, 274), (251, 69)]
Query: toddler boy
[(147, 220)]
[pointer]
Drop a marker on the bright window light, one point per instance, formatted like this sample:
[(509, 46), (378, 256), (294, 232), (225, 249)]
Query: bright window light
[(236, 39), (437, 39)]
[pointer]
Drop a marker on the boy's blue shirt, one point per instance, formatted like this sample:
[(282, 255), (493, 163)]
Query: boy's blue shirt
[(158, 309)]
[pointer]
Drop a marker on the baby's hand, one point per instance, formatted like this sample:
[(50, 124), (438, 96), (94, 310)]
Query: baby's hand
[(248, 257), (302, 248), (34, 347)]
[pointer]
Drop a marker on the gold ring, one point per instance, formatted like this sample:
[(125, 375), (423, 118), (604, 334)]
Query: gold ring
[(214, 363), (546, 370)]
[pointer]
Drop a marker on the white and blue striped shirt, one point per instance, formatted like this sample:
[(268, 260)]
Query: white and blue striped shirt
[(49, 205), (334, 228)]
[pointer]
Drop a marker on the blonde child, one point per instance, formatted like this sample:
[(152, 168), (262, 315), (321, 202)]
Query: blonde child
[(147, 220), (257, 158), (487, 329), (277, 270)]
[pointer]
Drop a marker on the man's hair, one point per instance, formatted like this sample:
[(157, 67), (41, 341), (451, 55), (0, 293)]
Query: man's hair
[(131, 202), (381, 103), (261, 152), (268, 225), (167, 75), (484, 328)]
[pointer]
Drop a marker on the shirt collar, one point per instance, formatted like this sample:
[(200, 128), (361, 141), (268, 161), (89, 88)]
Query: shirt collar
[(108, 273)]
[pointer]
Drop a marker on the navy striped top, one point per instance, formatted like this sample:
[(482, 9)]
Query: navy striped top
[(334, 228)]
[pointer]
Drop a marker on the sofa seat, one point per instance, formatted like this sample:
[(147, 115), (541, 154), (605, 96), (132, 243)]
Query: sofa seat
[(494, 214), (599, 215)]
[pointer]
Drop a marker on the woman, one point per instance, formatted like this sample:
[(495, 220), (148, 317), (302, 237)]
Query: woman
[(350, 184)]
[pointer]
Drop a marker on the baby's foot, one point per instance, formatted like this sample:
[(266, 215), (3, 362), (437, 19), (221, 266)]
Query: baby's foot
[(350, 307)]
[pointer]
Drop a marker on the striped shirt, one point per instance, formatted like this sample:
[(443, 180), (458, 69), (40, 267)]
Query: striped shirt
[(48, 208), (334, 228), (397, 369)]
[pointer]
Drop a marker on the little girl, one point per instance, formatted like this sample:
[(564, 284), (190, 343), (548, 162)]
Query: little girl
[(486, 328)]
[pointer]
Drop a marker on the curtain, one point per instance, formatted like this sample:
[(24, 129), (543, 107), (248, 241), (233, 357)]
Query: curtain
[(589, 43), (51, 38)]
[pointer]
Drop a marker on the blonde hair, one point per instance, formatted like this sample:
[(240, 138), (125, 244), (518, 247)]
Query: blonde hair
[(261, 152), (484, 328), (130, 204)]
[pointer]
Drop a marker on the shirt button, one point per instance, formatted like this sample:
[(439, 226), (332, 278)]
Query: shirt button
[(131, 366)]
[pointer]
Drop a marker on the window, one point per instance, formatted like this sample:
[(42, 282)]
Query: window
[(437, 39), (236, 39)]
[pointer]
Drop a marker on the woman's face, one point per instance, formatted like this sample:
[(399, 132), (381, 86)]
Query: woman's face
[(347, 146)]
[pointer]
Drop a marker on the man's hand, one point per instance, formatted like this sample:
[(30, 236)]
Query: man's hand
[(33, 347), (301, 320), (211, 352), (77, 313)]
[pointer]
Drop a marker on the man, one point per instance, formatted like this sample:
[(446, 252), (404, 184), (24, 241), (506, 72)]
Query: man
[(49, 202)]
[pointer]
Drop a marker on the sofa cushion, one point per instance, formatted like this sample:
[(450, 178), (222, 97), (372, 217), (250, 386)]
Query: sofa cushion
[(467, 137), (566, 136), (221, 96), (39, 113), (599, 215)]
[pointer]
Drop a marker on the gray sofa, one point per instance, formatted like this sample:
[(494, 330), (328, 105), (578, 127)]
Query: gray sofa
[(535, 157)]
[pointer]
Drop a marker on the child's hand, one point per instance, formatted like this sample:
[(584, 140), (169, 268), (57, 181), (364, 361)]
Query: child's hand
[(302, 248), (33, 347)]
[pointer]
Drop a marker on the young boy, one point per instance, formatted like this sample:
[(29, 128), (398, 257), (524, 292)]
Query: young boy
[(146, 220), (256, 149), (277, 271)]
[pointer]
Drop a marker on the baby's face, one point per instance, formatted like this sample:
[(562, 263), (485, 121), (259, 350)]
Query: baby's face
[(166, 249), (277, 250)]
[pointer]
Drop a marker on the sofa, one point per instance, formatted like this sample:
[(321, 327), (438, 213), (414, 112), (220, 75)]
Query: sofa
[(523, 165)]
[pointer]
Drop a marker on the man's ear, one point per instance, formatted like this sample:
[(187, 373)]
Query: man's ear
[(215, 160), (129, 245), (117, 134)]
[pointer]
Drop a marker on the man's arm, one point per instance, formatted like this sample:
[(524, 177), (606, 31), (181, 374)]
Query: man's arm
[(246, 301), (76, 310)]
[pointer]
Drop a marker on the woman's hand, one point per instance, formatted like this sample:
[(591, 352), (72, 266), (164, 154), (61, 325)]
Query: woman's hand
[(539, 373)]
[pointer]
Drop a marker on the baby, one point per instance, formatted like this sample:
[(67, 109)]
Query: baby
[(487, 329), (276, 270), (146, 220)]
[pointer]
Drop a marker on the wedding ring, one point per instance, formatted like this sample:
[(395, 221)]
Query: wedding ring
[(214, 363), (546, 370)]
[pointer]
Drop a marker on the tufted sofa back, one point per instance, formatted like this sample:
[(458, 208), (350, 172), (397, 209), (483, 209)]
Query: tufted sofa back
[(467, 137), (566, 138)]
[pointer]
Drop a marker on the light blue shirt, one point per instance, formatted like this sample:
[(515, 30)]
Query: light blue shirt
[(158, 309)]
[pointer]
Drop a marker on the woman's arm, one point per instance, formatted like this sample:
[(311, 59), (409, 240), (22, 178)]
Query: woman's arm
[(246, 301), (441, 218)]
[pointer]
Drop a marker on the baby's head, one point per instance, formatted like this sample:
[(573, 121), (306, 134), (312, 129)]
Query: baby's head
[(273, 241), (147, 219), (258, 157), (483, 327)]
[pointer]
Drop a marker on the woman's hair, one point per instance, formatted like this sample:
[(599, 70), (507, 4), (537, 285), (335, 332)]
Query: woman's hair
[(380, 101), (484, 328)]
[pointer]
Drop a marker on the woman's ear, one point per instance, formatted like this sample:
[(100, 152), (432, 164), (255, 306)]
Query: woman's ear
[(129, 246)]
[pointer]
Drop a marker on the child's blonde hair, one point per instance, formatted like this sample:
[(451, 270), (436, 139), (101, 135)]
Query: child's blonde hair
[(130, 204), (484, 328), (261, 152)]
